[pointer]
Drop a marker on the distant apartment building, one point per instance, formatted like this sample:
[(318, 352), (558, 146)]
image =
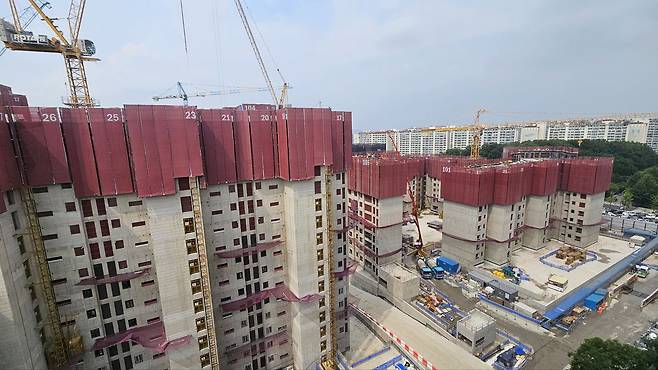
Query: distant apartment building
[(173, 237), (437, 140)]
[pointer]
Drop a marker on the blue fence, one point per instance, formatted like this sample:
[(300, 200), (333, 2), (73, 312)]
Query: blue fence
[(370, 357), (388, 363)]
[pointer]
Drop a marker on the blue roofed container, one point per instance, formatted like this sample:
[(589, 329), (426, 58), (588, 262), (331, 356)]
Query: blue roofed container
[(592, 301), (448, 264)]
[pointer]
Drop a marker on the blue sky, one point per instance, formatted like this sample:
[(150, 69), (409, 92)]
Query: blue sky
[(395, 64)]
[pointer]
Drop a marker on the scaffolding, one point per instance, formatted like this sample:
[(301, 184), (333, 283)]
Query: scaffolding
[(205, 274), (56, 353), (330, 361)]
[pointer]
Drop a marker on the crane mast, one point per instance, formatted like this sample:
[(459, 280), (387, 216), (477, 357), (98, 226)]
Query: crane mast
[(477, 134)]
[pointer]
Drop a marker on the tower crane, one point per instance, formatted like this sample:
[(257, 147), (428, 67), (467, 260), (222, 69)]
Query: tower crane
[(279, 101), (181, 93), (477, 129), (74, 50)]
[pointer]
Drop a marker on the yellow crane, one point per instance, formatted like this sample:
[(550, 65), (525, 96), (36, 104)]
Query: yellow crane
[(74, 50), (476, 127)]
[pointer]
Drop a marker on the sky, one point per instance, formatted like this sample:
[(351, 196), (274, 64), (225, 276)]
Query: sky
[(394, 64)]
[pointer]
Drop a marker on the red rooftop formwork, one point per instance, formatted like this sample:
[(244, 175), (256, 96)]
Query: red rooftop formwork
[(472, 186), (165, 144), (39, 133), (586, 175)]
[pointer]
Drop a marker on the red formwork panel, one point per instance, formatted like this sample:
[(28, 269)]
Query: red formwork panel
[(300, 145), (42, 146), (282, 144), (468, 186), (111, 151), (589, 175), (508, 185), (338, 140), (10, 177), (320, 122), (80, 151), (219, 145), (19, 100), (182, 133), (565, 171), (347, 140), (242, 135), (254, 107), (262, 143), (165, 144), (545, 177), (5, 96), (151, 173), (603, 175)]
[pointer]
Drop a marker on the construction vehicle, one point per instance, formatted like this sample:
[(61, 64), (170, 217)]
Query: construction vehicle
[(437, 271), (75, 51), (425, 271), (512, 273), (183, 94), (642, 271)]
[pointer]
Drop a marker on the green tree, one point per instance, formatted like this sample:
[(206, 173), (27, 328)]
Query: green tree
[(492, 151), (599, 354), (627, 200)]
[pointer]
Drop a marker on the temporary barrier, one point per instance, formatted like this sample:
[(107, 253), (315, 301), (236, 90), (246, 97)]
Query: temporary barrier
[(151, 336)]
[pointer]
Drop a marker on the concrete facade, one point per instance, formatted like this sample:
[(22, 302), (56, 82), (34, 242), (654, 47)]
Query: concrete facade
[(374, 244), (576, 217), (147, 251)]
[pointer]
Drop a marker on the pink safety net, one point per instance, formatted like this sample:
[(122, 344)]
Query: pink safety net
[(349, 270), (115, 278), (151, 336), (281, 292), (362, 220), (247, 251)]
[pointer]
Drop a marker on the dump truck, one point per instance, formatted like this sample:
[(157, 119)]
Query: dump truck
[(425, 272)]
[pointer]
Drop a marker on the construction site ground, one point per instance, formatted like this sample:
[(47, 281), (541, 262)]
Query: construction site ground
[(363, 344), (435, 348), (608, 252), (429, 235), (623, 320)]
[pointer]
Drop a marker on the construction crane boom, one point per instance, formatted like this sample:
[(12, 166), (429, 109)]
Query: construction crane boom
[(185, 96), (25, 18), (478, 129), (254, 47), (74, 50)]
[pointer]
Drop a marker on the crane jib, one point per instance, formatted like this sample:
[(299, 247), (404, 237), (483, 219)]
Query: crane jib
[(30, 39)]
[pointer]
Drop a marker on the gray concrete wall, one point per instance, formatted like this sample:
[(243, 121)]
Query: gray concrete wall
[(20, 345)]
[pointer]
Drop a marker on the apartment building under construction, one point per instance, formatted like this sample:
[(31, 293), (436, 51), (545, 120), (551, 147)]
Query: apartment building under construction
[(489, 207), (173, 237)]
